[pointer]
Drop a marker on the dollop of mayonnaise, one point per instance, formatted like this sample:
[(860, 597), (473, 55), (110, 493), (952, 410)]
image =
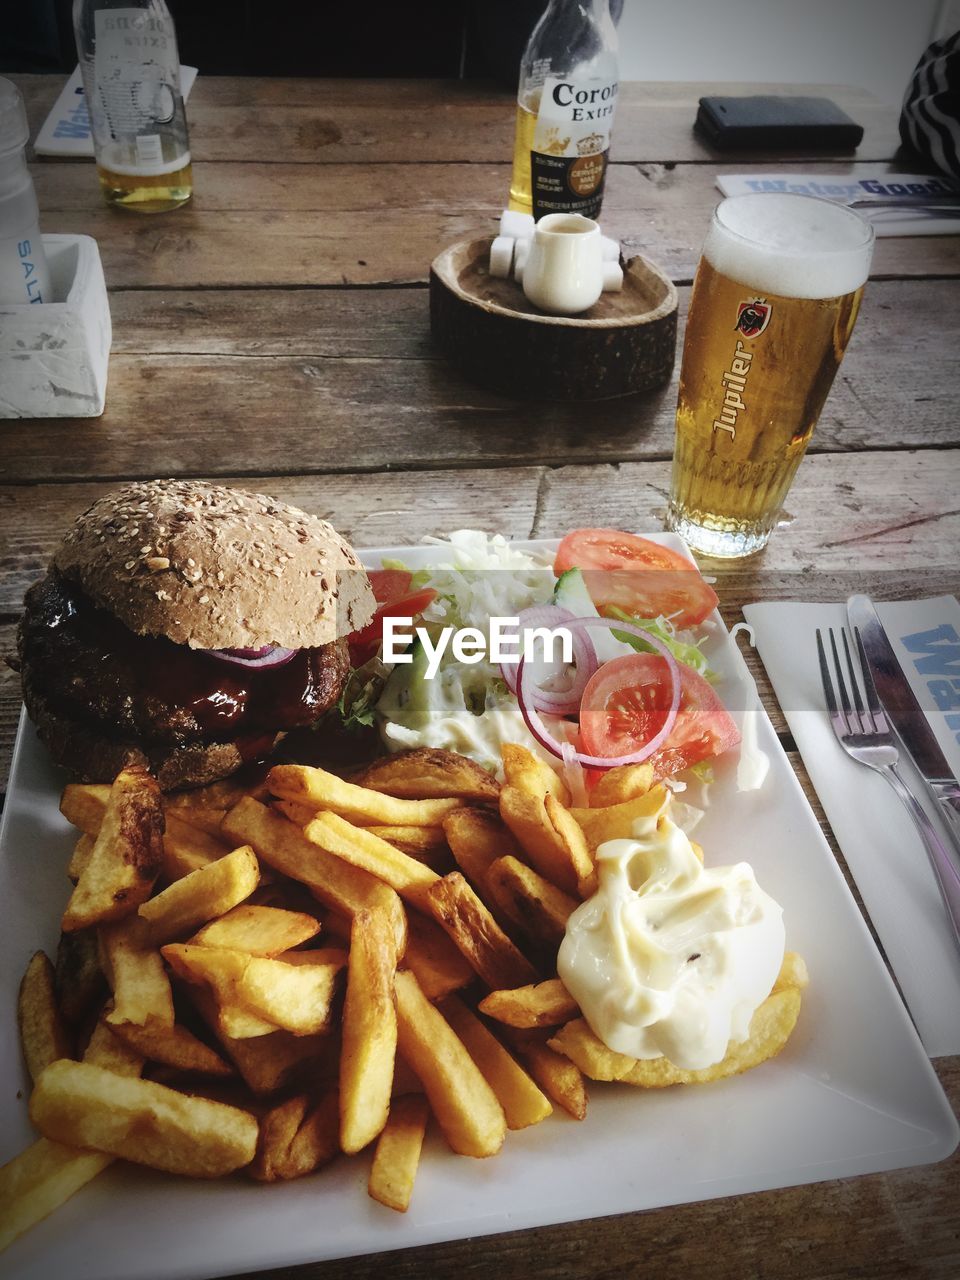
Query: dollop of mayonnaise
[(669, 958)]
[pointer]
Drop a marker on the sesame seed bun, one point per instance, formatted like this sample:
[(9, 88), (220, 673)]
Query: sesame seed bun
[(216, 568)]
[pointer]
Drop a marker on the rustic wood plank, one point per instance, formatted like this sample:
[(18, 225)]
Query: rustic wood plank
[(894, 514), (372, 225), (369, 510), (332, 121), (320, 400)]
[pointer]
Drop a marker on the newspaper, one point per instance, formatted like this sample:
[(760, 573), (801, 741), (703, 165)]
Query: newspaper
[(916, 189)]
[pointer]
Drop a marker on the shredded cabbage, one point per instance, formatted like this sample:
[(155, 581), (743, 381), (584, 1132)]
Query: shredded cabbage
[(684, 646)]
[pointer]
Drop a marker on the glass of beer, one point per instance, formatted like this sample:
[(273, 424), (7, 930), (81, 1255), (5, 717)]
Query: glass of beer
[(773, 306)]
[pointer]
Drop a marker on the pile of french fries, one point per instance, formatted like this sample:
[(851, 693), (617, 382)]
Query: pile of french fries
[(260, 980)]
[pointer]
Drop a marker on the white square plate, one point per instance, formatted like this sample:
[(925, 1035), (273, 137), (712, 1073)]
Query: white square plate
[(852, 1093)]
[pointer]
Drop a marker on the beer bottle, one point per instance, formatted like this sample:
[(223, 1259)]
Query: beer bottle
[(131, 80), (565, 104)]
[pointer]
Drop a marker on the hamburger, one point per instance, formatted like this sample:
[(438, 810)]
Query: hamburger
[(187, 627)]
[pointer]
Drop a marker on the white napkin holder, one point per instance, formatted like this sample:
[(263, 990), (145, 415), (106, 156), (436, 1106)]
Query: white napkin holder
[(53, 355)]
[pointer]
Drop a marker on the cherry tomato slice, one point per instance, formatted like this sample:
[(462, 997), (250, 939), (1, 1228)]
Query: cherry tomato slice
[(389, 584), (365, 642), (625, 704), (639, 576)]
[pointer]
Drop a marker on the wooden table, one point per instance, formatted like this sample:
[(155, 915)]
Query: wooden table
[(275, 331)]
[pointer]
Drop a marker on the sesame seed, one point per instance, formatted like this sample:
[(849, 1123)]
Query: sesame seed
[(130, 564)]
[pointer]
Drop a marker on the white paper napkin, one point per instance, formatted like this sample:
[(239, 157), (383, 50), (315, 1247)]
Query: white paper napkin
[(66, 130), (879, 841)]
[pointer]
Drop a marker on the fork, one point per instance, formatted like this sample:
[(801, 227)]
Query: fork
[(864, 733)]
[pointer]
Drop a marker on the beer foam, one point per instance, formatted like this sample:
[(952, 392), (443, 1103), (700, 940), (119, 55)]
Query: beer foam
[(793, 245)]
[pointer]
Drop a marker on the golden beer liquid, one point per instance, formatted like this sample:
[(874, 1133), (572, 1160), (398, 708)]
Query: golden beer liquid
[(734, 482), (146, 194), (521, 195)]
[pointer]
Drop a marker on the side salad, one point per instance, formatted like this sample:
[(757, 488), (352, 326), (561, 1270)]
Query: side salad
[(639, 688)]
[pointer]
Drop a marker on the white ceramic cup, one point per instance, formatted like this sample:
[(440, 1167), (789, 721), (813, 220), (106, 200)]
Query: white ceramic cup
[(563, 273)]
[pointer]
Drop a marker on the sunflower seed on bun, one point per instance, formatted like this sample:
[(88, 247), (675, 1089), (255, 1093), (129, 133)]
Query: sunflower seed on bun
[(187, 626)]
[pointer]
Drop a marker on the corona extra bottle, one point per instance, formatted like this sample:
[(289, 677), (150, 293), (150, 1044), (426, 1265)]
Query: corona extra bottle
[(131, 80), (565, 103)]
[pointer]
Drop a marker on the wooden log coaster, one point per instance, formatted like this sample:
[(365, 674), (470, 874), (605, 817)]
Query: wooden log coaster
[(624, 344)]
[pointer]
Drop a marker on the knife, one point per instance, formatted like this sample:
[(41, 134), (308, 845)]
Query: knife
[(904, 711)]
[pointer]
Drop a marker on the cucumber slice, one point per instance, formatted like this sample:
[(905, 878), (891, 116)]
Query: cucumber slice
[(571, 593), (408, 698)]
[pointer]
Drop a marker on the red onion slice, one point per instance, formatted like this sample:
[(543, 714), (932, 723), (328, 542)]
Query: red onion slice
[(539, 730), (560, 702), (268, 656), (574, 777)]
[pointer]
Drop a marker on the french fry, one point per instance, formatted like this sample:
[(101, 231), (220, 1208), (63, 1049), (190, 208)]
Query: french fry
[(336, 956), (477, 838), (298, 814), (335, 883), (84, 804), (439, 966), (239, 1023), (127, 855), (326, 791), (529, 773), (356, 845), (369, 1031), (295, 1139), (427, 773), (187, 848), (522, 1101), (267, 1063), (106, 1050), (260, 931), (205, 807), (201, 895), (545, 1004), (135, 974), (556, 1075), (43, 1036), (458, 910), (793, 973), (540, 908), (175, 1046), (615, 822), (278, 1128), (397, 1155), (577, 1042), (570, 834), (80, 856), (41, 1179), (297, 998), (85, 1106), (770, 1029), (426, 844), (620, 784), (550, 853), (316, 1141), (80, 983), (467, 1111), (47, 1174)]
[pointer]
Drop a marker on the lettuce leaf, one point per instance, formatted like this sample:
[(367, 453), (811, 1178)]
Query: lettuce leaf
[(685, 651)]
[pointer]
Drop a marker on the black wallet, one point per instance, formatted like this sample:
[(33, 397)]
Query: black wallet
[(768, 123)]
